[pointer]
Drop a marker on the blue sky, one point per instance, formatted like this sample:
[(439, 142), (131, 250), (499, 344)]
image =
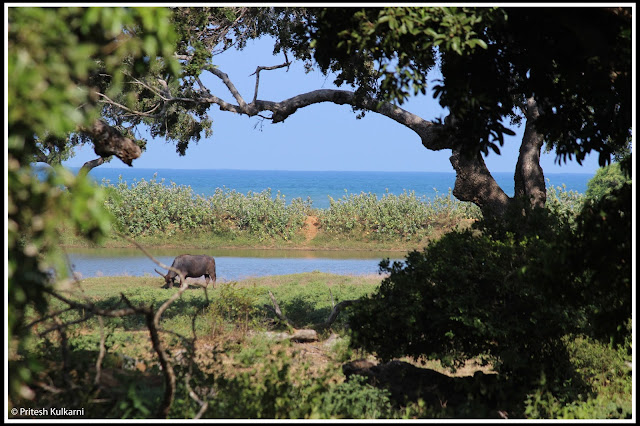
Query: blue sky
[(319, 137)]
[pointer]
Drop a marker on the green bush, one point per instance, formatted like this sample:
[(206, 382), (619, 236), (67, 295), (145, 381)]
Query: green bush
[(403, 216), (354, 399), (151, 208), (463, 297), (509, 297), (604, 368), (258, 213), (606, 179)]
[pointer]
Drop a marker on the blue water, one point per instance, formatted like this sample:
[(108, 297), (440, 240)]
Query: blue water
[(319, 186)]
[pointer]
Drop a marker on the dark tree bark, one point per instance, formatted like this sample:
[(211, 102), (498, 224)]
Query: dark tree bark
[(529, 177), (109, 141)]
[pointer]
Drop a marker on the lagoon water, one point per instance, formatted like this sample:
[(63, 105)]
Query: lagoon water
[(231, 265), (316, 186)]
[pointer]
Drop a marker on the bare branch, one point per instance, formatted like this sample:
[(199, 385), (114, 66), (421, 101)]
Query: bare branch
[(106, 100), (274, 67), (335, 311), (60, 325), (100, 354), (225, 79), (203, 404), (310, 334), (149, 255), (278, 312), (49, 316), (112, 313)]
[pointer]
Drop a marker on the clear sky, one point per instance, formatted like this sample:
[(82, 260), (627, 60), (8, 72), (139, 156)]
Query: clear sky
[(319, 137)]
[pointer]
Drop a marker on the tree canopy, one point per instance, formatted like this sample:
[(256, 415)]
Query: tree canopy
[(563, 72)]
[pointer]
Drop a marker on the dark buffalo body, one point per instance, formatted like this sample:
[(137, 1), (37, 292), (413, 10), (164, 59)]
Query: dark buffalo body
[(194, 266)]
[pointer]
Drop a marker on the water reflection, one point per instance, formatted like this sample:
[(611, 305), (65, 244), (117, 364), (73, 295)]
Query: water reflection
[(231, 265)]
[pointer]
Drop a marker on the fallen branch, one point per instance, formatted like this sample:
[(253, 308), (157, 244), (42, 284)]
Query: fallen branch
[(309, 334)]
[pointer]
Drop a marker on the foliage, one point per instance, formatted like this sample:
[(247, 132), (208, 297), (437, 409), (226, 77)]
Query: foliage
[(599, 255), (563, 203), (514, 300), (606, 180), (154, 208), (391, 217), (262, 379), (486, 309), (53, 54), (151, 207), (242, 373), (491, 60), (603, 367), (260, 213)]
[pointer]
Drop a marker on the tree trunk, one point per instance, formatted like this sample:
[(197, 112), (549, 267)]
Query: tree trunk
[(529, 177), (474, 183)]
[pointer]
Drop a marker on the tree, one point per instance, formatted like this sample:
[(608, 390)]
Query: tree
[(55, 56), (569, 80)]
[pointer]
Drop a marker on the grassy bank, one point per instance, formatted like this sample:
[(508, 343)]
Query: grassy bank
[(156, 214), (160, 215), (227, 348)]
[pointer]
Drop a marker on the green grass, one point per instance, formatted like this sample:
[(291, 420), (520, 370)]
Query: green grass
[(252, 371), (306, 299)]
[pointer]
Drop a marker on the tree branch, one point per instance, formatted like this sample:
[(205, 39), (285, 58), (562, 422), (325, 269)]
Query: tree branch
[(274, 67), (232, 88), (91, 164), (306, 335), (109, 141)]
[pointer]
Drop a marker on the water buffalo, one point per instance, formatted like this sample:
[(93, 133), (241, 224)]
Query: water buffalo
[(192, 265)]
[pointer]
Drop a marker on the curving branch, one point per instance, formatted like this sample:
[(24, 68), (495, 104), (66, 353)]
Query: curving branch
[(92, 164), (227, 82)]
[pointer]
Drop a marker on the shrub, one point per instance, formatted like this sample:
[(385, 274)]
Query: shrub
[(151, 207), (509, 297), (606, 180), (403, 216), (463, 297), (259, 213)]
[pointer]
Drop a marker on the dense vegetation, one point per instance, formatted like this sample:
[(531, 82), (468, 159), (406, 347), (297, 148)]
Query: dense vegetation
[(225, 347), (514, 296), (152, 208), (148, 207), (102, 75)]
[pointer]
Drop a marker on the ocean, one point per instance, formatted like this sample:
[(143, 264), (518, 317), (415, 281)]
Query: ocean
[(318, 185)]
